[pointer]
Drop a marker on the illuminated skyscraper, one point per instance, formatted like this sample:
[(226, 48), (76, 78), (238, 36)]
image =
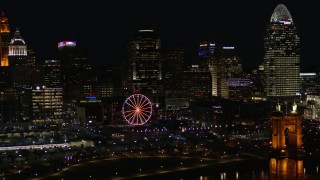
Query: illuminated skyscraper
[(18, 60), (66, 52), (230, 62), (70, 70), (282, 57), (145, 75), (223, 63), (174, 65), (198, 83), (42, 104), (310, 84), (4, 39), (31, 58), (145, 56), (229, 66), (206, 53), (17, 49), (52, 73)]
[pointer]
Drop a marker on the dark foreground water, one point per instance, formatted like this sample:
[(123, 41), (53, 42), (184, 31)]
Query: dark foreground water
[(192, 168), (254, 169), (260, 170)]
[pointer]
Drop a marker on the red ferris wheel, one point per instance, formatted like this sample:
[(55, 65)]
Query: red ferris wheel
[(137, 109)]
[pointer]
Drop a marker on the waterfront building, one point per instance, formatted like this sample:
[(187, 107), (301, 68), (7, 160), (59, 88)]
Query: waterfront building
[(41, 104)]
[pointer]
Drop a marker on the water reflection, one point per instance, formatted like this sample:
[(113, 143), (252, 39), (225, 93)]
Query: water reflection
[(286, 168), (270, 169)]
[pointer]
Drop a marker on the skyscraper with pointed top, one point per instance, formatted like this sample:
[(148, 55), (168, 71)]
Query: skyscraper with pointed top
[(18, 60), (4, 39), (282, 57), (17, 48)]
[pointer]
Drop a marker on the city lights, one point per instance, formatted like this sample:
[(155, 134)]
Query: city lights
[(197, 93)]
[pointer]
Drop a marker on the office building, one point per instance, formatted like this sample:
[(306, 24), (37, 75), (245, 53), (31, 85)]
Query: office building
[(230, 62), (174, 65), (144, 65), (282, 57), (42, 104), (52, 73), (197, 82), (206, 53)]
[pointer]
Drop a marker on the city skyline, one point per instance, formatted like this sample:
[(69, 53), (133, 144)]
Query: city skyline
[(109, 28), (180, 90)]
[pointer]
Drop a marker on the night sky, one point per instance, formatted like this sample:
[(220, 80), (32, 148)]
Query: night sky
[(105, 27)]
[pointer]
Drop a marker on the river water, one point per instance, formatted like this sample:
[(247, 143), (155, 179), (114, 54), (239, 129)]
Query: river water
[(177, 168), (260, 170)]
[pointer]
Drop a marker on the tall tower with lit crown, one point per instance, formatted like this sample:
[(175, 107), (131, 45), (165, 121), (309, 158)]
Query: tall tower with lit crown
[(66, 53), (282, 57), (18, 60), (17, 45), (4, 39)]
